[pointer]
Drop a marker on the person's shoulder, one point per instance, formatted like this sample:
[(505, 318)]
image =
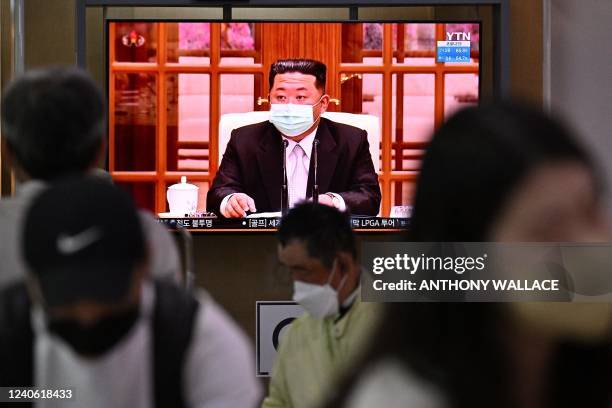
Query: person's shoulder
[(361, 322), (368, 310), (214, 321), (9, 208), (254, 128), (390, 384), (342, 129), (343, 134), (302, 330), (13, 211), (20, 202), (164, 255), (245, 137), (220, 362)]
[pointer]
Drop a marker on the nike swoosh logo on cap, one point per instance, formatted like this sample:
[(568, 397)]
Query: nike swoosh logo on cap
[(69, 244)]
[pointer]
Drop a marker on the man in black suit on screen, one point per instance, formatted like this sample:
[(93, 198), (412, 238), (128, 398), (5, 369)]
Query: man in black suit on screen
[(250, 177)]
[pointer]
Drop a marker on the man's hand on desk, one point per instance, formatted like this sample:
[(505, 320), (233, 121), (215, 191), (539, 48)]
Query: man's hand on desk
[(237, 206), (326, 199), (332, 200)]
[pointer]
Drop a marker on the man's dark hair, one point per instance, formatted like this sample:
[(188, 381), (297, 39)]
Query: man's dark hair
[(324, 230), (304, 66), (53, 122)]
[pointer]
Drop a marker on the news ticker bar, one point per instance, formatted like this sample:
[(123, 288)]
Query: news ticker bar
[(33, 394), (206, 223), (486, 272)]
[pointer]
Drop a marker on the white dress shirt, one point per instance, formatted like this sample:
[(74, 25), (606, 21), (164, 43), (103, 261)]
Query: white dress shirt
[(218, 372), (292, 158)]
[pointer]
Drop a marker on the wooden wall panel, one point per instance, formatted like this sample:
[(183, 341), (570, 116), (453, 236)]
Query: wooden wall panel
[(49, 32), (316, 41), (281, 41), (320, 42), (526, 50)]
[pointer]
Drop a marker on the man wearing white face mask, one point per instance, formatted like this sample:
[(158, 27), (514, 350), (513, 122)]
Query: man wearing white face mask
[(317, 247), (251, 176)]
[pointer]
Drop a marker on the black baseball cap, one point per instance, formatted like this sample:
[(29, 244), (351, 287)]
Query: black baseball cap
[(82, 239)]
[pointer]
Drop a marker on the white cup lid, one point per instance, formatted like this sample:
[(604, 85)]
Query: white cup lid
[(183, 185)]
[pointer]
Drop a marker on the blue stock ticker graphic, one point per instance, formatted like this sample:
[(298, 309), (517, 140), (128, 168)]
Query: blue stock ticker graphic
[(455, 49)]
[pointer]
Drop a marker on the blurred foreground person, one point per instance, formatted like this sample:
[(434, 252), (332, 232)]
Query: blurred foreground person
[(496, 173), (317, 246), (89, 318), (53, 126)]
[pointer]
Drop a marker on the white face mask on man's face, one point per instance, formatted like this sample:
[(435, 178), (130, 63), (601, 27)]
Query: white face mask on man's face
[(319, 300), (292, 119)]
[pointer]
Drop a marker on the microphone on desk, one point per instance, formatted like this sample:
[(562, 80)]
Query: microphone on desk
[(315, 183), (285, 190)]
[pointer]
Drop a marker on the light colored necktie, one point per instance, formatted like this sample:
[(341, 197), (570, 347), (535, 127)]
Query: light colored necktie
[(299, 176)]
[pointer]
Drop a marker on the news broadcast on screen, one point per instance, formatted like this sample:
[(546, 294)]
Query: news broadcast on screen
[(226, 126)]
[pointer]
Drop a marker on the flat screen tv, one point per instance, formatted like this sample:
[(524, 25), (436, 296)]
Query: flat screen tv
[(177, 90)]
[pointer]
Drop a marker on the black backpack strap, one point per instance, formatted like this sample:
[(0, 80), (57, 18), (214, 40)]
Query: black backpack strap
[(16, 339), (173, 320)]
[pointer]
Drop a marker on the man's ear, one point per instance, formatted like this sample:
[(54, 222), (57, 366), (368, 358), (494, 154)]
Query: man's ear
[(344, 263), (324, 103)]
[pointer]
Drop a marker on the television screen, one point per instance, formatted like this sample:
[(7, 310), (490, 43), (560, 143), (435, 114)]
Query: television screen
[(179, 90)]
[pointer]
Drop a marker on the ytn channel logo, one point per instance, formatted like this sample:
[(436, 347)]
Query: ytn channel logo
[(460, 36), (456, 48)]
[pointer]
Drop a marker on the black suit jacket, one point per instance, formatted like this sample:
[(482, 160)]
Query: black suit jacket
[(252, 164)]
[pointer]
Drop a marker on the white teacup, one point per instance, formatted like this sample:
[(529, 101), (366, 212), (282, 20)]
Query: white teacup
[(182, 198)]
